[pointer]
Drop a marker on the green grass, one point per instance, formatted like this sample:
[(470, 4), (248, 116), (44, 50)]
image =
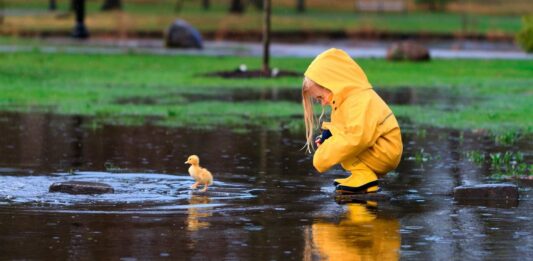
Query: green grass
[(150, 17), (496, 94)]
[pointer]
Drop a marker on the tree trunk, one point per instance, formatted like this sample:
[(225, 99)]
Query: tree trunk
[(52, 6), (205, 4), (266, 37), (236, 7), (300, 6), (258, 4), (178, 6), (111, 5), (2, 12)]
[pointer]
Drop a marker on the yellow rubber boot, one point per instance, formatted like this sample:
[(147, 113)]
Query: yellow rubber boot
[(339, 181), (362, 180)]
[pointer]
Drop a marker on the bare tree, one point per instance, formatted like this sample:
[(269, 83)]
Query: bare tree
[(111, 5), (266, 37)]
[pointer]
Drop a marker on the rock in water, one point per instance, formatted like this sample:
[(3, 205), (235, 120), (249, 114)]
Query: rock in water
[(180, 34), (486, 191), (81, 187)]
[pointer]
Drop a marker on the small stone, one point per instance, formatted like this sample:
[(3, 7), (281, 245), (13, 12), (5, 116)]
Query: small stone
[(408, 50), (81, 187), (181, 34), (487, 191)]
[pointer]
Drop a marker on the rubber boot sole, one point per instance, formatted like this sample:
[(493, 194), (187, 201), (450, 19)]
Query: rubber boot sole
[(345, 190)]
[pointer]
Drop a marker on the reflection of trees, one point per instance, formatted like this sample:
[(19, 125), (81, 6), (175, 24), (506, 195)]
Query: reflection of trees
[(37, 140), (360, 235)]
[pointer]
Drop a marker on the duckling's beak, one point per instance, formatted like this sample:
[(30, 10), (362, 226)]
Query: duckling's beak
[(186, 162)]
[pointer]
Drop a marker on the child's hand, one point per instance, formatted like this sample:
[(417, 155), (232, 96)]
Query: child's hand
[(318, 141), (322, 137)]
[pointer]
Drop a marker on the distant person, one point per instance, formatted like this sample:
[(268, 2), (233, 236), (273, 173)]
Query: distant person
[(363, 134)]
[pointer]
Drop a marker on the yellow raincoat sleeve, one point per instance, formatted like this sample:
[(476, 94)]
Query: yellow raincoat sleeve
[(349, 139)]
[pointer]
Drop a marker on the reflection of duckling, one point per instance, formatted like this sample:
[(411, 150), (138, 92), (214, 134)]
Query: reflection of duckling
[(201, 175), (196, 214)]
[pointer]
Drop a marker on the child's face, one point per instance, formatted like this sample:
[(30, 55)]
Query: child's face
[(321, 95)]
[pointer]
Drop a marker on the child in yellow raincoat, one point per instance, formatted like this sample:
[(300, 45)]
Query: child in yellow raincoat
[(365, 136)]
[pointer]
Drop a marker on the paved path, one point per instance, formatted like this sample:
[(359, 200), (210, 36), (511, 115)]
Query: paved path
[(366, 49)]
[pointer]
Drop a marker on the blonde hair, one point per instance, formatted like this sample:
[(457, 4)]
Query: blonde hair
[(309, 116)]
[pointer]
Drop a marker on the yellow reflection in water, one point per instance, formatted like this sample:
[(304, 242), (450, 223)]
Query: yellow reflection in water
[(195, 214), (360, 235)]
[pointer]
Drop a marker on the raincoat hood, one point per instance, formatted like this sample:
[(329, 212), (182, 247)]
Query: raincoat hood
[(335, 70)]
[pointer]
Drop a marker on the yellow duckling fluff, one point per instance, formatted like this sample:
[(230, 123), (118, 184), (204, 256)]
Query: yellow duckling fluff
[(201, 175)]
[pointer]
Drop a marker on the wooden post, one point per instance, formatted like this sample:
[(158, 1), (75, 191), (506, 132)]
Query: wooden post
[(80, 31), (266, 37)]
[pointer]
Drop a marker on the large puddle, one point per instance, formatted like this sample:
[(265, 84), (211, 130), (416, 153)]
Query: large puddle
[(266, 202)]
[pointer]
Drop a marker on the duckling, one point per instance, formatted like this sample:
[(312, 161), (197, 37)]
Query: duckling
[(200, 175)]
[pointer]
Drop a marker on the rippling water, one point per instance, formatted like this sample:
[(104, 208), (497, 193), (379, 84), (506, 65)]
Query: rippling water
[(133, 192)]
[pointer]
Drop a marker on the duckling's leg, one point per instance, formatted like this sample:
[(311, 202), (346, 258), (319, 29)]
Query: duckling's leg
[(195, 185), (205, 188)]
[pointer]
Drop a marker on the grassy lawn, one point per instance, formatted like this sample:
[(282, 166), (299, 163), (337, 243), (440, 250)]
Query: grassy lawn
[(496, 94), (149, 17)]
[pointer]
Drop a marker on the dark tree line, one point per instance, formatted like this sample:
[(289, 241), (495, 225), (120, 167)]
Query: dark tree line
[(236, 6), (106, 5), (434, 5), (111, 5)]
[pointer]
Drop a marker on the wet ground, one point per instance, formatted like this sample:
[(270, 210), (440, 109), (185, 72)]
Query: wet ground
[(442, 98), (266, 203), (357, 48)]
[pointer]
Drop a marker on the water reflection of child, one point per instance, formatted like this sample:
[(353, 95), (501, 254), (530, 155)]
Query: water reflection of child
[(365, 136), (359, 235)]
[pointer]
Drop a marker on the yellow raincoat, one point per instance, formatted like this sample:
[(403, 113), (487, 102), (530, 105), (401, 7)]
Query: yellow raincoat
[(364, 128)]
